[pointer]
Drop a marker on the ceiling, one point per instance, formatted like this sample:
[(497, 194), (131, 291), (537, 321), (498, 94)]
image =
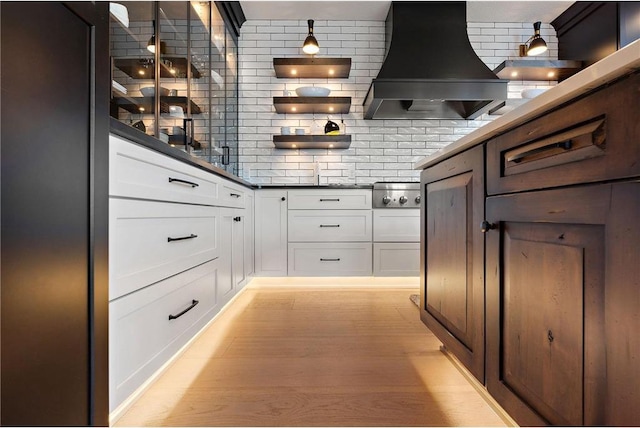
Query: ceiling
[(477, 11)]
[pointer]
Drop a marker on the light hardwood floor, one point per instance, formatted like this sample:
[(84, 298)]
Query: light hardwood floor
[(314, 357)]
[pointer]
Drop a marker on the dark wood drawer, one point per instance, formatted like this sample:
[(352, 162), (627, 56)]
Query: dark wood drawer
[(595, 138)]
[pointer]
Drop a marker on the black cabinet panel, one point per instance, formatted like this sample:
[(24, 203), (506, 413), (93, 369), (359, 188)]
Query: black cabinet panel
[(48, 132)]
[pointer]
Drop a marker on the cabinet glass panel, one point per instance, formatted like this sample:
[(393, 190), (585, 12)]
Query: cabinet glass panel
[(199, 87), (132, 65), (231, 132), (217, 42)]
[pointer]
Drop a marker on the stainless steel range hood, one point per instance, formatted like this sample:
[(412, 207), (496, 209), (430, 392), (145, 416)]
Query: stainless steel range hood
[(430, 70)]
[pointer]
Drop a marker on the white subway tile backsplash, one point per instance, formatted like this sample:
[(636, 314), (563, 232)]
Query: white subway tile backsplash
[(380, 150)]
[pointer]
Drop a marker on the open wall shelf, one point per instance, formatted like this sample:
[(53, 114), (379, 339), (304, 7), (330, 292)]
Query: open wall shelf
[(308, 68), (297, 105), (312, 141), (134, 104), (538, 69), (143, 68)]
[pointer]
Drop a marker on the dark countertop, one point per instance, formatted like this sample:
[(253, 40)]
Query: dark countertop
[(311, 186), (132, 134)]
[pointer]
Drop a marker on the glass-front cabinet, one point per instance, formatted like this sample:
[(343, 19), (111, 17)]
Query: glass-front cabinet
[(174, 77)]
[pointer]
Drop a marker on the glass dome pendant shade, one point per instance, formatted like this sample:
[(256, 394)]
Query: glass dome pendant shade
[(310, 45)]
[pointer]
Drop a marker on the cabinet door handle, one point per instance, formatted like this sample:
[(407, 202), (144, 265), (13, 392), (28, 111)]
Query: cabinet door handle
[(518, 157), (235, 195), (329, 225), (237, 219), (182, 238), (283, 199), (193, 305), (329, 260), (485, 226), (330, 200), (178, 180)]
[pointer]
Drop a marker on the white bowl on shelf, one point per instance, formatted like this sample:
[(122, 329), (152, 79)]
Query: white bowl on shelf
[(149, 91), (312, 91)]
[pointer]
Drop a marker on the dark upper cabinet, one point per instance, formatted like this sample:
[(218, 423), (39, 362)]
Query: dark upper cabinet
[(589, 31), (452, 259)]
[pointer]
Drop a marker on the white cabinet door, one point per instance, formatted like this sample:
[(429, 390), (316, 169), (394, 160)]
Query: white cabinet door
[(330, 199), (396, 225), (396, 259), (249, 236), (330, 225), (150, 241), (330, 259), (271, 232), (148, 327)]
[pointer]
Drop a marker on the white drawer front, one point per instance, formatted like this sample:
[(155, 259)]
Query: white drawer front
[(232, 196), (139, 172), (141, 335), (330, 199), (396, 225), (145, 245), (323, 259), (330, 226), (396, 259)]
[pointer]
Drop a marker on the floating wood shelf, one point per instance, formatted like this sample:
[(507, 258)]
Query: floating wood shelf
[(312, 141), (307, 68), (134, 104), (537, 69), (134, 66), (297, 105)]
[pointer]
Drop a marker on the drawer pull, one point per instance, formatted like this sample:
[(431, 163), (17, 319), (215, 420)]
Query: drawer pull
[(193, 305), (237, 219), (329, 260), (330, 200), (177, 180), (182, 238), (329, 225), (235, 195), (566, 145)]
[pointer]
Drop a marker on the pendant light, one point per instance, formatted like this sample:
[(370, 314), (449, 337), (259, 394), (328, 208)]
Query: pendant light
[(535, 45), (151, 44), (310, 45)]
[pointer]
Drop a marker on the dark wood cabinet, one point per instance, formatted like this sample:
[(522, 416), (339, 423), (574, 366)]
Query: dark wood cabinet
[(452, 256), (54, 212)]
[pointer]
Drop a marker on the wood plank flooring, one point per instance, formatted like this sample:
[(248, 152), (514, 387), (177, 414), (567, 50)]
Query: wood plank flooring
[(314, 357)]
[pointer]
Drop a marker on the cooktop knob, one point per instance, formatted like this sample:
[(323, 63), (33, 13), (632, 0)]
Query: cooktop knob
[(418, 199), (403, 199), (386, 199)]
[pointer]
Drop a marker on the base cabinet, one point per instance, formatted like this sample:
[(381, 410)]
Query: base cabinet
[(559, 269), (452, 256), (271, 232)]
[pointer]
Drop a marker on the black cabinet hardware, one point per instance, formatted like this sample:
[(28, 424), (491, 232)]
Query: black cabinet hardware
[(193, 305), (329, 260), (485, 226), (330, 200), (329, 225), (177, 180), (184, 128), (182, 238), (235, 195), (283, 199), (237, 219), (516, 158), (226, 155)]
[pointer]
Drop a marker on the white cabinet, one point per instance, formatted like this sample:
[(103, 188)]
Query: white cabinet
[(150, 241), (330, 232), (180, 247), (330, 226), (330, 259), (396, 246), (147, 327), (330, 199), (271, 232)]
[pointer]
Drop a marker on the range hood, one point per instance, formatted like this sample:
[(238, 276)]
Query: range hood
[(430, 70)]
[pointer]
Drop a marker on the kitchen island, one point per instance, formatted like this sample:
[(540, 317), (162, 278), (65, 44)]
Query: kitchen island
[(529, 250)]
